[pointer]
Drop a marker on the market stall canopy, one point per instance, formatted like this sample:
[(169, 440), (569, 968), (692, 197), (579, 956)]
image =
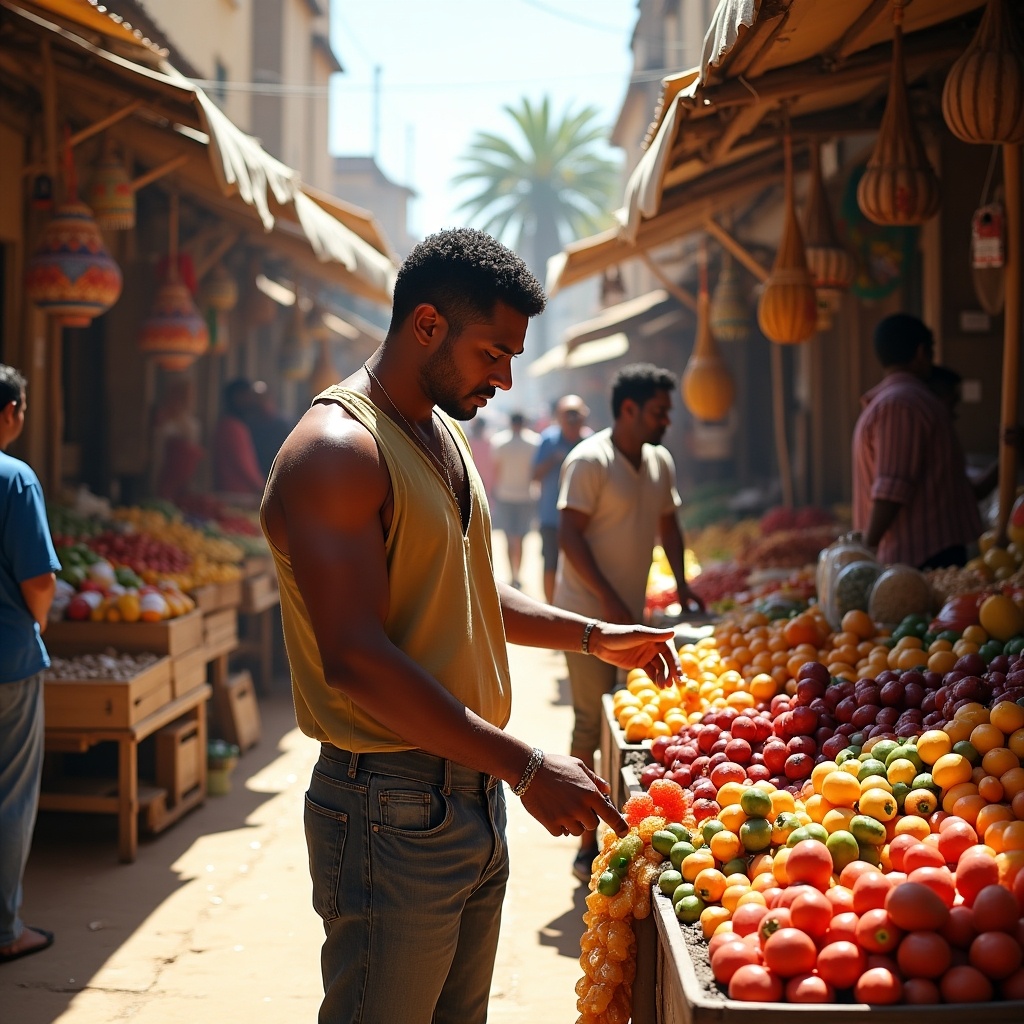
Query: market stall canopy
[(715, 137), (171, 119), (562, 358), (619, 317)]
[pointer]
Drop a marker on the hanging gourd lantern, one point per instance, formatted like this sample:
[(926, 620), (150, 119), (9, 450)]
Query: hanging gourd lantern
[(983, 98), (831, 264), (787, 312), (899, 186), (325, 373), (174, 333), (111, 195), (729, 313), (707, 384), (220, 296), (71, 276)]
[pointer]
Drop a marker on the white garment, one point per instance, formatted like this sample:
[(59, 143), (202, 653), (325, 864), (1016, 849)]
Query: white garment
[(625, 505), (513, 464)]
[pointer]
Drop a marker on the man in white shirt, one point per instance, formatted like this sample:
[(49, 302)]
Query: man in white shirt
[(617, 499), (514, 502)]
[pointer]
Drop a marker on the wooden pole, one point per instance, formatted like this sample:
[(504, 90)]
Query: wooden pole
[(1011, 338), (779, 418)]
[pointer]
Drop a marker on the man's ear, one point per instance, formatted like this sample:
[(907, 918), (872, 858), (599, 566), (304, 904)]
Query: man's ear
[(429, 325)]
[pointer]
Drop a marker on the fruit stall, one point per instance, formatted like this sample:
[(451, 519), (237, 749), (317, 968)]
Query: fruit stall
[(141, 631), (827, 808)]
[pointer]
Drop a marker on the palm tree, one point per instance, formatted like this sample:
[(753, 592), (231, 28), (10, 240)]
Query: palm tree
[(549, 186)]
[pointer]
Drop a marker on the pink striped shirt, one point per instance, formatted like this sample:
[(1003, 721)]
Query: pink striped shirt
[(905, 449)]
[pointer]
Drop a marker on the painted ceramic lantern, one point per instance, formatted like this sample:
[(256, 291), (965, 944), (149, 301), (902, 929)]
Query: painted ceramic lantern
[(175, 332), (71, 276), (111, 195)]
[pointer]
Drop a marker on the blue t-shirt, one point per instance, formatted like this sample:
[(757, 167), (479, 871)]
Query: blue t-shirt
[(551, 440), (26, 551)]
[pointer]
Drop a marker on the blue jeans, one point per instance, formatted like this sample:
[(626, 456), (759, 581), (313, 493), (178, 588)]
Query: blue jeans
[(21, 768), (409, 863)]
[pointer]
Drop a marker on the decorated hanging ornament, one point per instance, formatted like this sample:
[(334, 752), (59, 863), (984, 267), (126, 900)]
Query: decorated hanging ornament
[(219, 298), (111, 195), (729, 313), (831, 264), (707, 385)]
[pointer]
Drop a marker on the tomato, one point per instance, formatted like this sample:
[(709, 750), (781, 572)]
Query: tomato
[(841, 898), (879, 987), (809, 861), (809, 988), (849, 875), (965, 984), (841, 963), (921, 991), (789, 952), (939, 880), (913, 906), (811, 912), (955, 838), (747, 917), (720, 939), (870, 891), (753, 983), (842, 928), (730, 957), (898, 848), (959, 930), (924, 955), (973, 873), (995, 910), (876, 932), (996, 954), (922, 855), (772, 921), (1013, 986)]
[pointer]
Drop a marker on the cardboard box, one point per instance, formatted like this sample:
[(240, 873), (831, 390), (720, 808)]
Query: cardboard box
[(168, 636), (107, 703), (188, 671)]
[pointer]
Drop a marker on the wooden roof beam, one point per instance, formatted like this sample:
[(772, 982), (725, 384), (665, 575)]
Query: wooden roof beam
[(736, 248)]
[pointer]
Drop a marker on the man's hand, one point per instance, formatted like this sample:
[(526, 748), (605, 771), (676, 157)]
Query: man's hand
[(690, 601), (637, 647), (567, 798)]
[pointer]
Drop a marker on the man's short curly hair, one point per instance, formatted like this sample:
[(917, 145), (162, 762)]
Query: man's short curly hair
[(464, 273), (640, 382)]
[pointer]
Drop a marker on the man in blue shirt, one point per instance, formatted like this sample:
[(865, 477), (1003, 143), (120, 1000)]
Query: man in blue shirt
[(556, 442), (27, 582)]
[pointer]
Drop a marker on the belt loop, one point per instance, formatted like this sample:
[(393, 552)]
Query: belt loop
[(352, 765), (447, 787)]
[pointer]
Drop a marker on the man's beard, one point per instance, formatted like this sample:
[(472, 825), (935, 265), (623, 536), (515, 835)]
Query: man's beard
[(441, 382)]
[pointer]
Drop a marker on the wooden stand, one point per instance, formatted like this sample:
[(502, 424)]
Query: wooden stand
[(615, 753), (238, 713), (259, 621), (123, 796)]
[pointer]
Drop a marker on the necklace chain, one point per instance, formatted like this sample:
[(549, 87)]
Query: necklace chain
[(412, 430)]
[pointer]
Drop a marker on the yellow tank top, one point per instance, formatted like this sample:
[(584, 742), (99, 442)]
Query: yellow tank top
[(443, 609)]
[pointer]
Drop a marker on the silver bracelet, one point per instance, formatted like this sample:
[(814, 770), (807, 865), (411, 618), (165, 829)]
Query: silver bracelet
[(532, 765), (587, 630)]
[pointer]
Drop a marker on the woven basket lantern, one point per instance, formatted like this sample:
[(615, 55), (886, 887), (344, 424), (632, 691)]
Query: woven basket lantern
[(899, 186), (788, 310), (729, 312), (707, 385), (983, 98), (831, 264), (111, 195)]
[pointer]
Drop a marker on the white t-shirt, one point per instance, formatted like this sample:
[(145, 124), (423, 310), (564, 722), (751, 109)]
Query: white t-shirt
[(513, 464), (625, 506)]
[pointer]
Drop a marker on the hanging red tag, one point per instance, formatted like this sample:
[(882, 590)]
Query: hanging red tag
[(987, 247)]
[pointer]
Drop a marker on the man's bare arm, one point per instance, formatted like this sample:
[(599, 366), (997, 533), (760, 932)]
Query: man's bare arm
[(572, 525)]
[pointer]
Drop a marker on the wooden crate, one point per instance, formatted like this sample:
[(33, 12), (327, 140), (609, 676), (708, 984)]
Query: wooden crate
[(180, 759), (220, 632), (188, 671), (681, 999), (107, 703), (168, 636), (257, 565), (616, 753), (238, 713), (259, 593), (213, 596)]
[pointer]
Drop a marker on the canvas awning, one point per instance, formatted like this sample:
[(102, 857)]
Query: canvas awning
[(616, 318), (827, 64), (561, 357), (222, 167)]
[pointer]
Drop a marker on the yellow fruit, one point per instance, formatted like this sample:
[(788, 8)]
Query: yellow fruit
[(986, 737), (933, 744), (877, 803), (998, 558), (840, 789), (1000, 617), (950, 770), (913, 825), (1007, 716)]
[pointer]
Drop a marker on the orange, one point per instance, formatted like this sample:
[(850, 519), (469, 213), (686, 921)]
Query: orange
[(1013, 836), (801, 629), (782, 800), (974, 635), (838, 819), (725, 846), (840, 789), (931, 745), (710, 884), (990, 815), (956, 731), (999, 760), (909, 643), (911, 658), (1015, 741), (941, 661), (954, 793), (968, 808), (1007, 716), (986, 737), (1000, 617), (695, 863), (1013, 781), (732, 894), (913, 825), (638, 727), (990, 788), (859, 623), (1017, 806), (820, 772), (711, 918)]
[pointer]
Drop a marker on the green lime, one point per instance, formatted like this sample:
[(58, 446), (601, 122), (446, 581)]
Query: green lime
[(783, 826), (989, 650), (816, 831), (928, 639), (608, 884), (689, 909), (680, 852), (669, 881), (756, 834), (844, 755), (663, 841), (967, 749), (710, 828), (682, 891), (679, 831), (924, 781), (871, 854), (872, 766), (843, 847), (867, 830), (756, 803), (899, 793), (798, 835), (882, 749), (906, 752), (1015, 645), (736, 866)]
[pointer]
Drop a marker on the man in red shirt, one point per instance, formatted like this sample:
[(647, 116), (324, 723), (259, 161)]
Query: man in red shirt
[(236, 468), (912, 499)]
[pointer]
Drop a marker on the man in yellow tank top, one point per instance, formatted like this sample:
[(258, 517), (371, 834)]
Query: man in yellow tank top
[(396, 630)]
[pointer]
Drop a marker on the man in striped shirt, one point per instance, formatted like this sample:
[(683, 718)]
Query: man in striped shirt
[(912, 499)]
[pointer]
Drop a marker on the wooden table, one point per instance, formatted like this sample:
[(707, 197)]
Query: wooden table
[(123, 796)]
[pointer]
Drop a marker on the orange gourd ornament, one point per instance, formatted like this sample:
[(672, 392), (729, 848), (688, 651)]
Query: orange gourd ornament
[(707, 386), (983, 98), (899, 186), (788, 310)]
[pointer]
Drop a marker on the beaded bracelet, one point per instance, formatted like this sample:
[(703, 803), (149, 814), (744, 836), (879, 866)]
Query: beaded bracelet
[(587, 630), (532, 765)]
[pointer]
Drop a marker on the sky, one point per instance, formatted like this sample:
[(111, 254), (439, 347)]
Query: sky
[(448, 67)]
